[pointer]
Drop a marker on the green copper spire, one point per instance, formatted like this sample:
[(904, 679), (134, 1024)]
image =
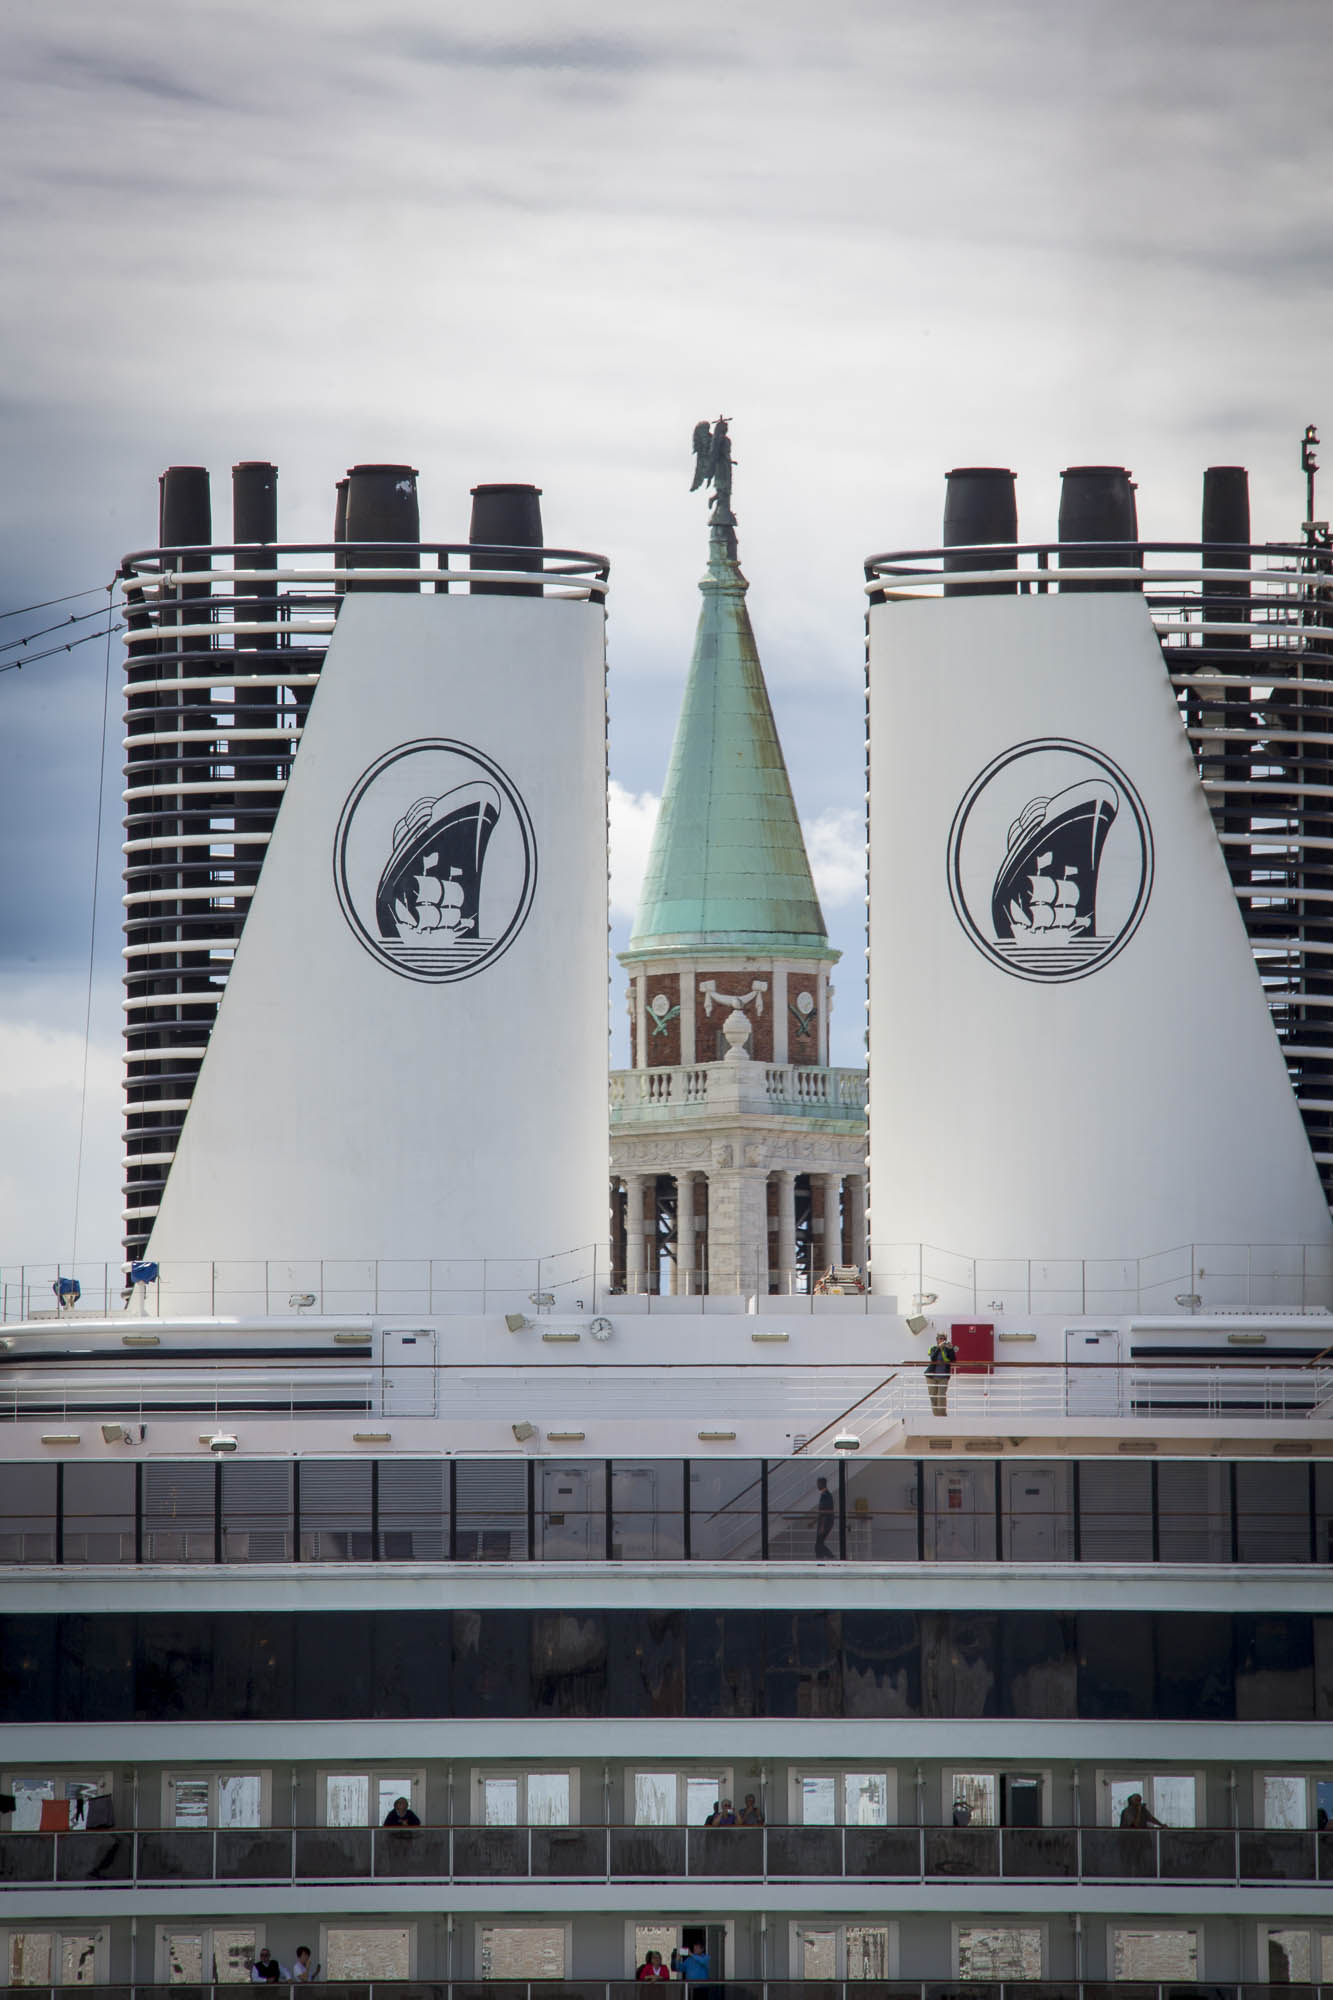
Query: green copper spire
[(728, 866)]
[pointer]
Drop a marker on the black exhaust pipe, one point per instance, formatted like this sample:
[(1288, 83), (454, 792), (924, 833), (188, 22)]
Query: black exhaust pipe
[(185, 518), (254, 528), (980, 505), (1098, 509), (509, 518), (383, 521)]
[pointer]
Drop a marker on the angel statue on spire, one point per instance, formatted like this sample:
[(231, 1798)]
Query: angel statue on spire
[(712, 467)]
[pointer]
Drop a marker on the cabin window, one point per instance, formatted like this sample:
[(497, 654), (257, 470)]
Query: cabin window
[(366, 1798), (525, 1798), (27, 1515), (996, 1798), (678, 1798), (1149, 1953), (522, 1951), (999, 1951), (1291, 1956), (1294, 1800), (216, 1798), (219, 1954), (843, 1798), (51, 1802), (98, 1514), (843, 1951), (368, 1951), (1169, 1796), (74, 1957)]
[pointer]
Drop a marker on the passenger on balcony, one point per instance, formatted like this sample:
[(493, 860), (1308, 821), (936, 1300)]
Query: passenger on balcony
[(693, 1962), (303, 1972), (750, 1813), (726, 1815), (939, 1367), (1134, 1813), (962, 1812), (401, 1815), (652, 1967), (265, 1970)]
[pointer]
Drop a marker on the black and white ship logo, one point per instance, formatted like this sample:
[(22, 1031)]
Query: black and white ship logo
[(1050, 860), (434, 860)]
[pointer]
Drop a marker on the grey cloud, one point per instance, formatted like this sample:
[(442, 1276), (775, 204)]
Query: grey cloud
[(103, 72), (613, 54)]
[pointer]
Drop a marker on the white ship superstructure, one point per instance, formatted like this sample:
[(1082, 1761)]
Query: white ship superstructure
[(690, 1622)]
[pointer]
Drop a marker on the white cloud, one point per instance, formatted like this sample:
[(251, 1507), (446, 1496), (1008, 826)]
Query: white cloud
[(836, 845), (633, 817), (41, 1083)]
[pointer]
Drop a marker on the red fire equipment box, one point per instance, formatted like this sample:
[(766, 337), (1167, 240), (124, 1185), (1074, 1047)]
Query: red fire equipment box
[(975, 1343)]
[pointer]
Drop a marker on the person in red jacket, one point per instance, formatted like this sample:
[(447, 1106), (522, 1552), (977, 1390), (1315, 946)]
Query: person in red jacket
[(652, 1967)]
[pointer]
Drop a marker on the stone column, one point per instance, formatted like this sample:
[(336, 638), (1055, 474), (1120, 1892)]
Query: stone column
[(686, 1278), (737, 1231), (781, 1018), (856, 1198), (687, 1054), (786, 1185), (830, 1251), (634, 1259)]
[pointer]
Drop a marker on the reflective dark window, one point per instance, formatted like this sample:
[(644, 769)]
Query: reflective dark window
[(803, 1664), (173, 1665), (802, 1510), (491, 1497), (726, 1509), (1115, 1511), (99, 1513), (335, 1510), (1323, 1513), (571, 1510), (257, 1510), (477, 1664), (568, 1663), (724, 1663), (178, 1511), (881, 1510), (647, 1510), (1193, 1511), (646, 1667), (1194, 1672), (1037, 1518), (414, 1509), (960, 1512), (1115, 1662), (490, 1661), (1038, 1667), (1272, 1512), (960, 1662), (27, 1513), (1274, 1669), (881, 1663)]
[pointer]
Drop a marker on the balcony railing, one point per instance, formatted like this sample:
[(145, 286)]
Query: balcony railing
[(730, 1989), (797, 1090), (610, 1854)]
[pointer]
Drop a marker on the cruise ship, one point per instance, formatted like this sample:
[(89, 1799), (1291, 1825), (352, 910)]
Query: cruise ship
[(421, 1586)]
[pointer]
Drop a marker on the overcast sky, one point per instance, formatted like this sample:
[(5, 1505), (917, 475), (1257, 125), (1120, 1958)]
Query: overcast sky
[(883, 238)]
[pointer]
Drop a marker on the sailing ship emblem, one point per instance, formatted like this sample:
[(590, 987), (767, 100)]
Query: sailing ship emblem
[(1050, 883), (434, 860)]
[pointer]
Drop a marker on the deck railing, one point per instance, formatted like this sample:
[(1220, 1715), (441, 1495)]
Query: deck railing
[(606, 1854)]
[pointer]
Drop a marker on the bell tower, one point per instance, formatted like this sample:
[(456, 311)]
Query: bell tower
[(738, 1155)]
